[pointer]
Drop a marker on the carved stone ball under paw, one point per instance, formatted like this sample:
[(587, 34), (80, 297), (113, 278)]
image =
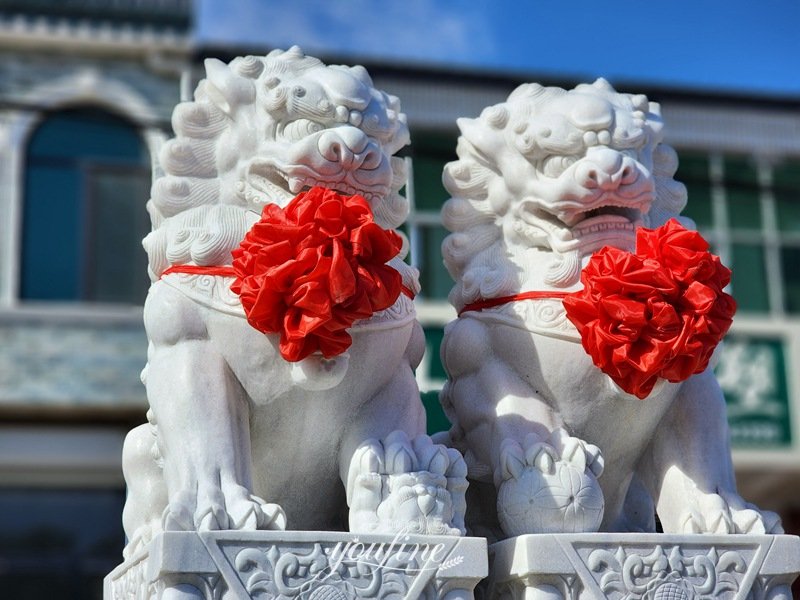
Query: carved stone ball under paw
[(561, 499)]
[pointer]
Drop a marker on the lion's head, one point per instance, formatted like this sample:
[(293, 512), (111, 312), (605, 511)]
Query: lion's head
[(260, 130), (548, 177)]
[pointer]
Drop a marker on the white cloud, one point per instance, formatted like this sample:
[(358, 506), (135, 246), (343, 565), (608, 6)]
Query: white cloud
[(417, 30)]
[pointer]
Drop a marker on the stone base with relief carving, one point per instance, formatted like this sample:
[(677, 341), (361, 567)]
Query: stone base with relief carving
[(226, 565), (643, 567)]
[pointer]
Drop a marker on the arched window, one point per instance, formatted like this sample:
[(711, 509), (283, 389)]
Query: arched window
[(87, 181)]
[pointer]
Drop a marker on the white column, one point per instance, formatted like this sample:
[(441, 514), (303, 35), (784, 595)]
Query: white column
[(15, 127)]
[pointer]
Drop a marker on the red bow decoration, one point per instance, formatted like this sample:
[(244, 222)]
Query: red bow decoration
[(657, 313), (309, 270)]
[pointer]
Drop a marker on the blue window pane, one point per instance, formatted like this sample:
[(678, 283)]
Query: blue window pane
[(87, 182), (437, 421), (434, 278), (116, 264), (50, 242), (744, 208), (790, 258), (750, 278), (694, 172), (698, 207), (430, 154)]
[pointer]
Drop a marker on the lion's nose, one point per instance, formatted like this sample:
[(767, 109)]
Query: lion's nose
[(349, 147), (606, 169)]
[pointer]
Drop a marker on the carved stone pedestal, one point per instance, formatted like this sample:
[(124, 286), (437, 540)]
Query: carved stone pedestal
[(644, 566), (303, 565)]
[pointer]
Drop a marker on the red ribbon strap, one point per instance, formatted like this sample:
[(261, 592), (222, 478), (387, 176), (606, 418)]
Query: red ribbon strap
[(226, 271), (200, 270), (492, 302)]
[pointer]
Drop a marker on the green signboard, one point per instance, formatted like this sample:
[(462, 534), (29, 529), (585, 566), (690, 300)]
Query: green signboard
[(752, 373)]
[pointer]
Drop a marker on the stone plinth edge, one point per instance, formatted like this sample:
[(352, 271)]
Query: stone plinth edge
[(303, 565), (643, 567)]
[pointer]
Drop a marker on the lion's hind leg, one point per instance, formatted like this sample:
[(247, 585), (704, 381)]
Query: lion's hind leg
[(202, 414), (692, 472), (204, 439)]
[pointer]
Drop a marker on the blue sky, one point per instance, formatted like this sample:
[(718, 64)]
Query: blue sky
[(734, 46)]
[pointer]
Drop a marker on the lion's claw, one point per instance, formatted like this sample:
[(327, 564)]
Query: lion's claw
[(725, 513), (216, 510), (179, 515)]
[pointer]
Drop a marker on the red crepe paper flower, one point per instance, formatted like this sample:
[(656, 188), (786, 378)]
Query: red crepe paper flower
[(658, 313), (308, 271)]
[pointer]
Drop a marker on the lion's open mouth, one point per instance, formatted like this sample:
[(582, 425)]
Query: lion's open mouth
[(606, 218), (613, 222), (297, 185), (607, 212), (270, 183), (622, 211)]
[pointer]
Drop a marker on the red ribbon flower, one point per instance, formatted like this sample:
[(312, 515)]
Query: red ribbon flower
[(657, 313), (308, 271)]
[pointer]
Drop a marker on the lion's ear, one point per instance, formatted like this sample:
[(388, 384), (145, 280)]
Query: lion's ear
[(602, 84), (655, 108), (473, 131), (225, 88), (527, 91)]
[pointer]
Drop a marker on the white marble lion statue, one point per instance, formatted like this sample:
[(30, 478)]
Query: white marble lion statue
[(542, 183), (239, 436)]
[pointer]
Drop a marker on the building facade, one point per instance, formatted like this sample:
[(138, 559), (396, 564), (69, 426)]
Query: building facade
[(86, 93)]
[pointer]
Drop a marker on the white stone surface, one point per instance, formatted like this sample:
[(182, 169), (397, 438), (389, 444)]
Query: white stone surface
[(238, 437), (301, 565), (542, 181), (643, 567)]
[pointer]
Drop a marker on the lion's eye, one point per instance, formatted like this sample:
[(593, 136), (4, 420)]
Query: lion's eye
[(299, 129), (553, 166)]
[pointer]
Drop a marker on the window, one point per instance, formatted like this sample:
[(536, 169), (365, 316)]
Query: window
[(424, 228), (87, 180), (431, 152), (750, 212)]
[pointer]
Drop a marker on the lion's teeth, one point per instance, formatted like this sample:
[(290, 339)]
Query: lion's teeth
[(295, 185)]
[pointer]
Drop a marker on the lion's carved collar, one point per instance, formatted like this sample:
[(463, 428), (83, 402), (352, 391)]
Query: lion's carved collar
[(540, 312)]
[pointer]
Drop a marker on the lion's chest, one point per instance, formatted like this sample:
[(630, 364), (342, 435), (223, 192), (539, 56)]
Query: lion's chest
[(561, 374)]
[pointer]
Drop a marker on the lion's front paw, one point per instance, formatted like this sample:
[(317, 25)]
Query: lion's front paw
[(725, 512), (549, 486), (406, 486), (218, 507)]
